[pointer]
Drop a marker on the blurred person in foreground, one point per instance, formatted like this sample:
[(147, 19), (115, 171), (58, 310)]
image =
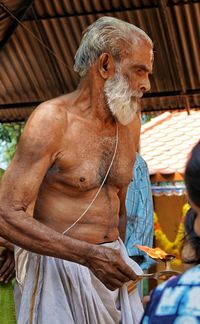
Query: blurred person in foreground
[(178, 299), (190, 252), (63, 195)]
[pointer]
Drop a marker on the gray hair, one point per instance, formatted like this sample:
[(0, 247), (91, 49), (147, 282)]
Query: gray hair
[(107, 34)]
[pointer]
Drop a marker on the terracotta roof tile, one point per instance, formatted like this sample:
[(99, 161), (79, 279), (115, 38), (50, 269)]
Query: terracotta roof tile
[(167, 140)]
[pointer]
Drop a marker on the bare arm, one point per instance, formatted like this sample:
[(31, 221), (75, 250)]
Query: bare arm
[(37, 150)]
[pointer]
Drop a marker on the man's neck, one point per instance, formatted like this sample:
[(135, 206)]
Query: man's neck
[(92, 101)]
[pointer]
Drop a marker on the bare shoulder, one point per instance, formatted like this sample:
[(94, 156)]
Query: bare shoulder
[(52, 112), (48, 120), (44, 130)]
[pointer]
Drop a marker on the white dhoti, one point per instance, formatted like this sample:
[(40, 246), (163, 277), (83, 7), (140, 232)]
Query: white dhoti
[(61, 292)]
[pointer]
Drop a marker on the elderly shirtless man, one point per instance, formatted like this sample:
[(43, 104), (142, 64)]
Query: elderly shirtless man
[(63, 196)]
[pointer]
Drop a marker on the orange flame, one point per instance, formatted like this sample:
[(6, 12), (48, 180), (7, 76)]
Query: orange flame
[(156, 253)]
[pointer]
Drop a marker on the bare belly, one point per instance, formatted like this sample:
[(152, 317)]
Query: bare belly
[(60, 210)]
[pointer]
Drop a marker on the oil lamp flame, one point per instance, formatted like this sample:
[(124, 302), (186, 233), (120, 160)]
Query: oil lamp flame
[(155, 253)]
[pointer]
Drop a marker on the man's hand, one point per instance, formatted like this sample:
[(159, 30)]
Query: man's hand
[(7, 266), (109, 267)]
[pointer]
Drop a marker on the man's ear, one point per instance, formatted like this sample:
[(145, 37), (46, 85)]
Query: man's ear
[(106, 65)]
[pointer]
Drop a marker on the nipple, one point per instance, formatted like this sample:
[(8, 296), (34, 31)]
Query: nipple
[(82, 179)]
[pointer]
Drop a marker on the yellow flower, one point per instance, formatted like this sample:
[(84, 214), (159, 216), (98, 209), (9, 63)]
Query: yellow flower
[(162, 240)]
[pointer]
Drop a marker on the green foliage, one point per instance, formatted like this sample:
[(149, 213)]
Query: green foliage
[(146, 117), (7, 306), (1, 172), (9, 137)]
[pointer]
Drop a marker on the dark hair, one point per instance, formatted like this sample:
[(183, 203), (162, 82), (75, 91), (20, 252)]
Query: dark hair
[(189, 222), (191, 238), (192, 175)]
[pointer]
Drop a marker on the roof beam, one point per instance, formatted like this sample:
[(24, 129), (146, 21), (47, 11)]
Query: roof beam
[(121, 8), (18, 10), (173, 49), (20, 105)]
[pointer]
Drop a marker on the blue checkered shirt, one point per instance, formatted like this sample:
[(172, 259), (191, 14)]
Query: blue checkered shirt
[(139, 210)]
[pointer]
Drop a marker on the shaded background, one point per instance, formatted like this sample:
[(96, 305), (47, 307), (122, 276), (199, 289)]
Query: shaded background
[(37, 50)]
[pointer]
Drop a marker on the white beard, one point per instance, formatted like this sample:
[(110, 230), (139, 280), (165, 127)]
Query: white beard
[(122, 101)]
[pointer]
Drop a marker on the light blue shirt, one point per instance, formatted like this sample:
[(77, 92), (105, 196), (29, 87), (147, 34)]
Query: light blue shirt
[(139, 210)]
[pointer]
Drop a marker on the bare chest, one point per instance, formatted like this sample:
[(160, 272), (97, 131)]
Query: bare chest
[(84, 163)]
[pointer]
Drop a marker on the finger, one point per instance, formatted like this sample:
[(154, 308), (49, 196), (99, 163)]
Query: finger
[(110, 279), (113, 284), (128, 272), (8, 271), (110, 287), (112, 272), (10, 276), (5, 266), (121, 276), (124, 268)]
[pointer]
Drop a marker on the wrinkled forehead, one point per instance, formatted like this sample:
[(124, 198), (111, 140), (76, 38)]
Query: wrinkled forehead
[(143, 45), (140, 54)]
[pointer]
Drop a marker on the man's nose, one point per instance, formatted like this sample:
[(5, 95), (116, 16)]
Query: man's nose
[(145, 86)]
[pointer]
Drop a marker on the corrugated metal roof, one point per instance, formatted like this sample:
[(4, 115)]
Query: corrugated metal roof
[(30, 74), (167, 140)]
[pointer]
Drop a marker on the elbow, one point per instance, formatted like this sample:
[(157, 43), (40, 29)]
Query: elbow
[(5, 220), (2, 220), (4, 230)]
